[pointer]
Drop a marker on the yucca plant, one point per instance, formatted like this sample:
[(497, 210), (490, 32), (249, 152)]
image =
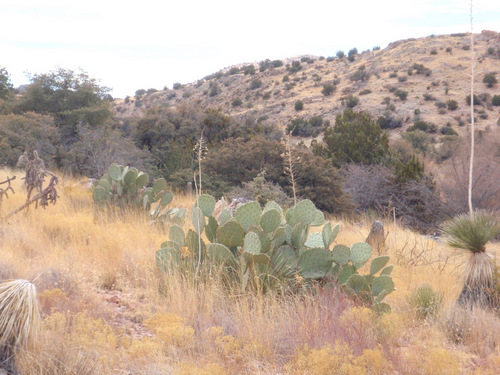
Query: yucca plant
[(471, 233), (19, 319)]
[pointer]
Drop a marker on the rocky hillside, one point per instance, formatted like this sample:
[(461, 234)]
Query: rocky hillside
[(426, 79)]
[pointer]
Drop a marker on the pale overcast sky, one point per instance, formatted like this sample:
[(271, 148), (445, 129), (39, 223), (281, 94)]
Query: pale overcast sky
[(130, 45)]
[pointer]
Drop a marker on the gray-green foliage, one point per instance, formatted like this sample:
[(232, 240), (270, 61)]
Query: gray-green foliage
[(425, 301), (266, 248), (125, 186)]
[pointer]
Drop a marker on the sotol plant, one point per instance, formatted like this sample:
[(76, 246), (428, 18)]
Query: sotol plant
[(263, 248), (471, 233)]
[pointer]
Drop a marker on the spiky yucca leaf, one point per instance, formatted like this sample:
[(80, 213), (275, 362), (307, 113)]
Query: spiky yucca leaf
[(472, 233), (19, 313)]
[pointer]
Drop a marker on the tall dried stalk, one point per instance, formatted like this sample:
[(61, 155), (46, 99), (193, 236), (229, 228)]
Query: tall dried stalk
[(289, 164), (473, 66)]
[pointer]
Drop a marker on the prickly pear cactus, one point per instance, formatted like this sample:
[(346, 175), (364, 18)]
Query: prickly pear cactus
[(266, 248)]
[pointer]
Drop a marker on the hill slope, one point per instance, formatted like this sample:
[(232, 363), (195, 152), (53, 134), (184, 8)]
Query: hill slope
[(433, 71)]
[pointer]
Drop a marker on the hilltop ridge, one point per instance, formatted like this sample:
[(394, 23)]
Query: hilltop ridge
[(409, 79)]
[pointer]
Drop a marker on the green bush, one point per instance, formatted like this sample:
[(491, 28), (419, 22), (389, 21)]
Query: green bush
[(452, 105), (490, 79), (249, 69), (355, 138), (255, 84), (477, 100), (299, 105), (425, 301), (295, 67), (233, 71), (495, 100), (302, 128), (360, 75), (446, 130), (351, 101), (328, 89), (401, 94), (365, 92), (176, 86), (340, 54), (236, 102), (418, 139), (351, 54)]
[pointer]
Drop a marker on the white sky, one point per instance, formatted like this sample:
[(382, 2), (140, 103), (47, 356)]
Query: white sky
[(130, 45)]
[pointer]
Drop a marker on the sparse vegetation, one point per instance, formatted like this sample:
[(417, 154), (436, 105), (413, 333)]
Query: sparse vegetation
[(299, 105), (490, 79), (328, 89)]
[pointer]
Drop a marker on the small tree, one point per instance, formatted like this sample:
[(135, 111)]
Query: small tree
[(299, 105), (490, 79), (328, 89)]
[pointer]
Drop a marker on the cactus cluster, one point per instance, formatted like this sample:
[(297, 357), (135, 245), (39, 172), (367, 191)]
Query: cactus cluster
[(267, 247), (125, 186)]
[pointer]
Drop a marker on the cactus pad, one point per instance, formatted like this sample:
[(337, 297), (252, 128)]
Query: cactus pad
[(284, 261), (387, 270), (231, 234), (141, 180), (115, 172), (270, 220), (170, 243), (176, 234), (315, 263), (378, 263), (358, 284), (198, 219), (206, 203), (306, 212), (167, 258), (211, 229), (251, 243), (381, 283), (220, 254), (99, 194), (360, 253), (346, 272), (248, 214), (130, 177), (341, 254), (315, 240)]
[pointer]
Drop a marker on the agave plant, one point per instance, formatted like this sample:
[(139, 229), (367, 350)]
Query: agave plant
[(471, 233)]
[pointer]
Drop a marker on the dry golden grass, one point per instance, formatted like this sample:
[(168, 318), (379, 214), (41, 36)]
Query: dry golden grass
[(107, 310)]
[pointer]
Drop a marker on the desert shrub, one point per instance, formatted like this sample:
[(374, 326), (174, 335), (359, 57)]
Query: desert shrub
[(401, 94), (262, 191), (495, 100), (328, 89), (249, 69), (440, 104), (421, 69), (140, 93), (490, 79), (214, 89), (452, 105), (255, 84), (389, 122), (491, 51), (351, 54), (177, 86), (377, 188), (266, 95), (393, 75), (466, 47), (302, 128), (355, 138), (418, 139), (294, 67), (477, 100), (434, 51), (423, 126), (403, 78), (360, 75), (365, 92), (446, 130), (299, 105), (429, 97), (351, 101), (330, 59), (340, 54), (425, 301), (449, 49), (234, 70), (238, 161), (286, 78), (236, 102), (277, 63)]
